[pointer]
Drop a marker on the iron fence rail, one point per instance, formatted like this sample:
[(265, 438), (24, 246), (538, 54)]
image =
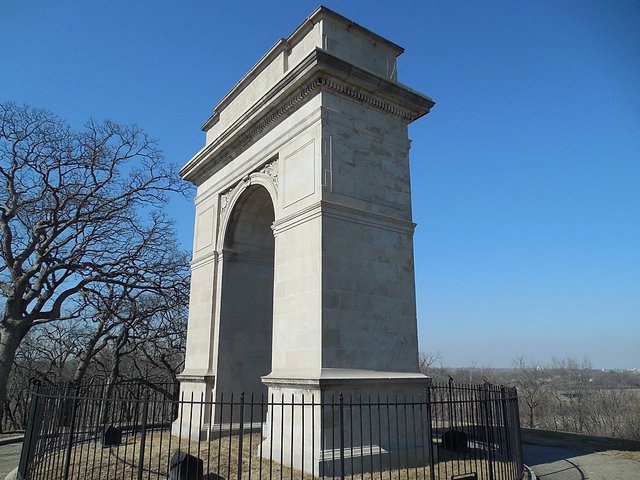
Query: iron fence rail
[(452, 431)]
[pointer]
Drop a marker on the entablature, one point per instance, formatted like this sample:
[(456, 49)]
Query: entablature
[(319, 71)]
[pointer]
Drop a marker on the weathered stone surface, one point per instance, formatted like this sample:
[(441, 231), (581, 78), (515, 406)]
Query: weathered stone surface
[(303, 275)]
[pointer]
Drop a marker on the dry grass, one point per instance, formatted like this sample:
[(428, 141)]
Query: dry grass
[(91, 461), (629, 455)]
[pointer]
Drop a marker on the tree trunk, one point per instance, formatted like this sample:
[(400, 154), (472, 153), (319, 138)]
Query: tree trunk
[(10, 338), (530, 417), (110, 388), (116, 357), (85, 359)]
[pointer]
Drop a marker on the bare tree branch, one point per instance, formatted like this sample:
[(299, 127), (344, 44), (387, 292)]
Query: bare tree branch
[(79, 209)]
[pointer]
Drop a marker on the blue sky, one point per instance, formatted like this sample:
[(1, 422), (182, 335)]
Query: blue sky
[(526, 175)]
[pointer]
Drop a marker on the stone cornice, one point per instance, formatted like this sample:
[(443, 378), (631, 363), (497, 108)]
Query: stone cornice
[(341, 378), (204, 259), (319, 71), (341, 212), (359, 84), (366, 218), (193, 376)]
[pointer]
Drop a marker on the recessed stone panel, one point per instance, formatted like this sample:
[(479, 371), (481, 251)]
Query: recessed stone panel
[(204, 229), (299, 174)]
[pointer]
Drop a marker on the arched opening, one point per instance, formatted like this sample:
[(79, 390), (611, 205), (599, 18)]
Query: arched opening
[(246, 310)]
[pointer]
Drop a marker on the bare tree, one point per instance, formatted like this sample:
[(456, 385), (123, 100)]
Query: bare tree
[(161, 345), (427, 360), (573, 390), (122, 315), (56, 346), (48, 353), (77, 210), (532, 386), (476, 374)]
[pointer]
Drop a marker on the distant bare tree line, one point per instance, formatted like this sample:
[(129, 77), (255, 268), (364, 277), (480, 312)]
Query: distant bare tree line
[(145, 349), (562, 395)]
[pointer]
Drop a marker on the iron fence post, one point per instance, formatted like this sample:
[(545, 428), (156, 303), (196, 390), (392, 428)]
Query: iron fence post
[(143, 434), (507, 428), (450, 404), (72, 427), (28, 446), (341, 437), (487, 425), (240, 436), (432, 463), (516, 414)]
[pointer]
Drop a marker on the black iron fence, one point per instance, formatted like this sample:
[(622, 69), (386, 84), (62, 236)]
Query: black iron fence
[(451, 431)]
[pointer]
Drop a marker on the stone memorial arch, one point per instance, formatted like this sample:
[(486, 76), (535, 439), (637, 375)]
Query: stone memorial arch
[(302, 272)]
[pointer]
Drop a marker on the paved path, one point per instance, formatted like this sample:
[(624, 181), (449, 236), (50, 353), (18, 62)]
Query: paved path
[(9, 458), (553, 463)]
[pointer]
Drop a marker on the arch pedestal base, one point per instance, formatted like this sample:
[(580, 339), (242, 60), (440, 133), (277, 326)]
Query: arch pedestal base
[(351, 420), (194, 407)]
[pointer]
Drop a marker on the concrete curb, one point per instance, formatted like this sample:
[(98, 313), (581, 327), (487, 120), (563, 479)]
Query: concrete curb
[(577, 441), (14, 439), (532, 475), (13, 474)]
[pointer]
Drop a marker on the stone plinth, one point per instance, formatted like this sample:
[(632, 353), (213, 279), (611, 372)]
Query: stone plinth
[(388, 431)]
